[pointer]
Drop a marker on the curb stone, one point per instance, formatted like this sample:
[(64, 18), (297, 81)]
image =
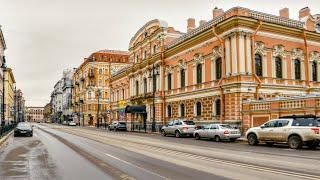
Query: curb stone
[(5, 138)]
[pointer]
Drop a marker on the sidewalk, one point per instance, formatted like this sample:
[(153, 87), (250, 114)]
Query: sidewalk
[(242, 138), (4, 138)]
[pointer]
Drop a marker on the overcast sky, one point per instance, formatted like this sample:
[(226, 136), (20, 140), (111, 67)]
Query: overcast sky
[(46, 36)]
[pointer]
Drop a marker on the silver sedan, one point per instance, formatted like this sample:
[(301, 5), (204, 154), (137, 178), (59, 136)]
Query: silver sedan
[(218, 132)]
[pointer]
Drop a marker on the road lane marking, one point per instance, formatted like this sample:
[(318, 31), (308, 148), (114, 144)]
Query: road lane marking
[(138, 145), (129, 163)]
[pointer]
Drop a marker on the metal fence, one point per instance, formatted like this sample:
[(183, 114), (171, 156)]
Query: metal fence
[(6, 129)]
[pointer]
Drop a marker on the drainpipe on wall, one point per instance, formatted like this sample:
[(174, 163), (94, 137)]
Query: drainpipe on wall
[(223, 74), (252, 59), (163, 81), (306, 61)]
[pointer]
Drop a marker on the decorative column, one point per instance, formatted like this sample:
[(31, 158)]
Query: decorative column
[(248, 50), (242, 61), (234, 56), (227, 55)]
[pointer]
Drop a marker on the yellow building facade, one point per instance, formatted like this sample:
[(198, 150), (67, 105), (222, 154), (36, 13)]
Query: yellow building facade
[(9, 85)]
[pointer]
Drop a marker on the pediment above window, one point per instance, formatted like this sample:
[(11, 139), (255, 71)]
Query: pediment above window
[(278, 50), (314, 56), (182, 65), (198, 58), (297, 54), (217, 52), (260, 48)]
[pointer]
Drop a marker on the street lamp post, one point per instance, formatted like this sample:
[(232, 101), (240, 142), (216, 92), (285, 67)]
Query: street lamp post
[(4, 68), (98, 120), (153, 75)]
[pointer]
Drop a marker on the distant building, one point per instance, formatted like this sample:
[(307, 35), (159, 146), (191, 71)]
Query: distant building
[(47, 111), (92, 78), (34, 114), (9, 84), (20, 105), (56, 99), (67, 94)]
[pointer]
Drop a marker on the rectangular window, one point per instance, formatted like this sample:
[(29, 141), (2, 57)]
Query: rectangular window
[(169, 81), (182, 78)]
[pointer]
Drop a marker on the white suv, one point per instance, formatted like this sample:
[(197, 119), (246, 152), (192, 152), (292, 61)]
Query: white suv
[(294, 130)]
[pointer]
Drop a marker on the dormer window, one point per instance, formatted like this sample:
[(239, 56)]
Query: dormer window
[(318, 27)]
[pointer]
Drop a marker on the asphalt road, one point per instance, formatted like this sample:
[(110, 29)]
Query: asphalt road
[(59, 152)]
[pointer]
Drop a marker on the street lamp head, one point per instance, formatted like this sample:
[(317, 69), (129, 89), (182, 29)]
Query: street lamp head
[(3, 66)]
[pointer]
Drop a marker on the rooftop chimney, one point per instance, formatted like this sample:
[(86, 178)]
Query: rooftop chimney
[(202, 22), (304, 12), (284, 13), (217, 12), (191, 24)]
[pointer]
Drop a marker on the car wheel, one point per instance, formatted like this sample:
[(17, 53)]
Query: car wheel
[(197, 136), (295, 142), (269, 143), (163, 133), (178, 135), (108, 128), (217, 138), (252, 139)]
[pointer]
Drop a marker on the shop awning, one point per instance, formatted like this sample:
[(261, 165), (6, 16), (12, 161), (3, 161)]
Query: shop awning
[(135, 109)]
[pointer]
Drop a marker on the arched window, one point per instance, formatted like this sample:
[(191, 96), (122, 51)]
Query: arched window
[(218, 68), (218, 107), (145, 54), (198, 109), (145, 85), (278, 63), (154, 49), (258, 64), (182, 110), (182, 78), (199, 73), (169, 81), (137, 88), (297, 69), (314, 71), (169, 110)]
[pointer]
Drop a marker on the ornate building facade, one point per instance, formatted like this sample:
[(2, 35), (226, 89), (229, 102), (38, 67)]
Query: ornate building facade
[(91, 92), (208, 73)]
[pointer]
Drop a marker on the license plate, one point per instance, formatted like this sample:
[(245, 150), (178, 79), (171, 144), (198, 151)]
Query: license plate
[(22, 131), (234, 132)]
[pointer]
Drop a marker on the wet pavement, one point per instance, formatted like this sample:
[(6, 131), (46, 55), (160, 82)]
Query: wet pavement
[(44, 157), (60, 152)]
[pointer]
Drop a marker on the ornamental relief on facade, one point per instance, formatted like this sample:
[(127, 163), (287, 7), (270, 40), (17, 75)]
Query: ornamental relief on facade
[(260, 48), (169, 69), (182, 65), (198, 58), (314, 56), (297, 54), (278, 50), (217, 52)]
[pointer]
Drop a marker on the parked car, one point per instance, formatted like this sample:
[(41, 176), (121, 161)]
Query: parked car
[(218, 132), (179, 128), (23, 129), (294, 130), (72, 123), (65, 123), (117, 125)]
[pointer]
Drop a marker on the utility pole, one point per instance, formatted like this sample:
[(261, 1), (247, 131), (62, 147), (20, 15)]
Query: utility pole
[(98, 120)]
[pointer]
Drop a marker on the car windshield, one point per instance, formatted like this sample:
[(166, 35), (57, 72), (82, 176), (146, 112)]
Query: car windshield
[(23, 125), (305, 122), (189, 122), (226, 126), (122, 123)]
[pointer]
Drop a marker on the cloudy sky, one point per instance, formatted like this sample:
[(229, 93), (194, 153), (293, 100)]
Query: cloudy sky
[(46, 36)]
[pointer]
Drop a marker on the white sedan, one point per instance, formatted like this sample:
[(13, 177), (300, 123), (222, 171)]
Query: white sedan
[(218, 132), (72, 123)]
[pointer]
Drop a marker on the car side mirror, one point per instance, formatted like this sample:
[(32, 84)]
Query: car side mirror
[(262, 126)]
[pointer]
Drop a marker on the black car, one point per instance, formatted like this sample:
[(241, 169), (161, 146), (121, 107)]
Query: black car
[(23, 129)]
